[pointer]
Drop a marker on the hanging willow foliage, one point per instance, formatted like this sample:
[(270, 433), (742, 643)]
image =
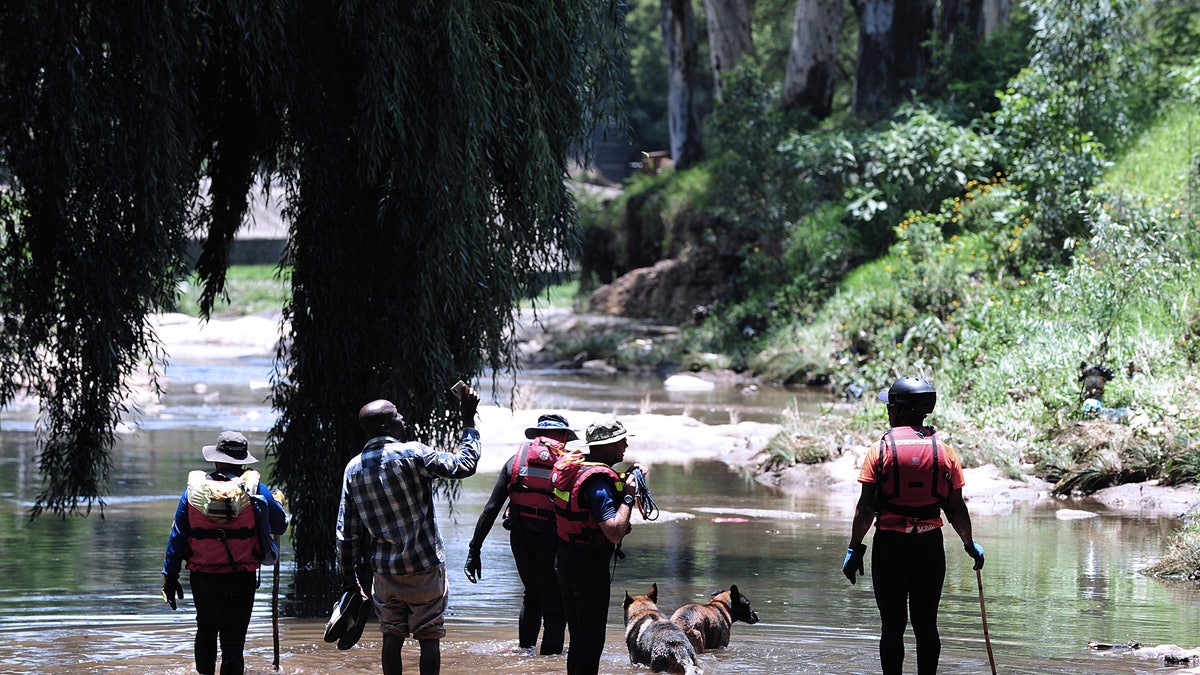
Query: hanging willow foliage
[(98, 181), (422, 146)]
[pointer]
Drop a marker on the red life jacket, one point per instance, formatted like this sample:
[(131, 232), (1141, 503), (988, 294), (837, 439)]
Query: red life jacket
[(220, 514), (530, 491), (914, 479), (574, 522)]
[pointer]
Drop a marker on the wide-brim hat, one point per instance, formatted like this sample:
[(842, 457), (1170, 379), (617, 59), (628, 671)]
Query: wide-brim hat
[(551, 422), (608, 431), (345, 613), (231, 448)]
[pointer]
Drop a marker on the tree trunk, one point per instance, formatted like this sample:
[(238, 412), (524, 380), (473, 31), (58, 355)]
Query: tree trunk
[(683, 56), (729, 37), (993, 14), (812, 62), (974, 19), (891, 55)]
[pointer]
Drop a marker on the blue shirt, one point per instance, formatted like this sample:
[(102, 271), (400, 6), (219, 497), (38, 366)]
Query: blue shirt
[(600, 497), (387, 504)]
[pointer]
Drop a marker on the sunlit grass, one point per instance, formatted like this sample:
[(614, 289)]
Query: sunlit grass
[(560, 296), (1158, 161), (251, 289)]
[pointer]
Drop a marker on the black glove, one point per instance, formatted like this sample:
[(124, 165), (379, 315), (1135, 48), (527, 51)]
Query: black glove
[(474, 567), (468, 406), (171, 590), (854, 561), (974, 550)]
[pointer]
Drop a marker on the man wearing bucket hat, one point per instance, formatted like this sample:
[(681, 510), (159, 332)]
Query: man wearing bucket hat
[(908, 479), (387, 512), (225, 527), (524, 482), (592, 508)]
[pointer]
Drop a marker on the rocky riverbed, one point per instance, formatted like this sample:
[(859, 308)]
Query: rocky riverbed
[(680, 439)]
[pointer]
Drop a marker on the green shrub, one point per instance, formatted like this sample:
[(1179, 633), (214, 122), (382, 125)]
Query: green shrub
[(1059, 114)]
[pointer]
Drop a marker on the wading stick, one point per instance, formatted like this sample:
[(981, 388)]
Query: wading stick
[(983, 612), (275, 609)]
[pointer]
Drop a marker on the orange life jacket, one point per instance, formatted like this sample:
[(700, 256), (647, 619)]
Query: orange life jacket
[(574, 522), (224, 537), (914, 481), (530, 491)]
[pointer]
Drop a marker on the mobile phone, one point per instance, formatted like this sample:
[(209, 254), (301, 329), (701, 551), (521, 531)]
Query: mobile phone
[(458, 389)]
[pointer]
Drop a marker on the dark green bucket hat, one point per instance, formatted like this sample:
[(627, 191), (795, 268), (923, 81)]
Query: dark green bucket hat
[(608, 431)]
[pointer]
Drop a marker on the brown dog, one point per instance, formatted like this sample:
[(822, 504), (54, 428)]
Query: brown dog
[(707, 626), (655, 641)]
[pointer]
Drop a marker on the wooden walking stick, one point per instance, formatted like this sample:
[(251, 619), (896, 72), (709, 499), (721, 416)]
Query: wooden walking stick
[(983, 612), (275, 609)]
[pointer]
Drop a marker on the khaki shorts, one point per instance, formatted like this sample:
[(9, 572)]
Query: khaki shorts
[(412, 603)]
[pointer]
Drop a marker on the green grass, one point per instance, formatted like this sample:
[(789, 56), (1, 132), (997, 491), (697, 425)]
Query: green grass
[(561, 296), (250, 289), (1158, 161)]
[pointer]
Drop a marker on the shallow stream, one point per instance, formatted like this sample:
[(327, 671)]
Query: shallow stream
[(81, 595)]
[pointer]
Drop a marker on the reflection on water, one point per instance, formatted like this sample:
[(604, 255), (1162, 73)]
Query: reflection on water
[(81, 595)]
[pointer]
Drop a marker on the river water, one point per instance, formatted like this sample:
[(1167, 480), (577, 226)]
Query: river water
[(81, 595)]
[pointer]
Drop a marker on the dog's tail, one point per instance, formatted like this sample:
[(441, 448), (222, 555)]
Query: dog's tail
[(675, 655)]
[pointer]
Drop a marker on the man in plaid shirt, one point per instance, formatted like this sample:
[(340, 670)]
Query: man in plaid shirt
[(387, 513)]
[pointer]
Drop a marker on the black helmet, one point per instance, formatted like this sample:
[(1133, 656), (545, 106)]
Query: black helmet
[(911, 392)]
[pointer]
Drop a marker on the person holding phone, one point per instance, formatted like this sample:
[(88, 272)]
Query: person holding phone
[(387, 512)]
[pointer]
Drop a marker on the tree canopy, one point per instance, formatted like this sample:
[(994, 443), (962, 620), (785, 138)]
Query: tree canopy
[(422, 148)]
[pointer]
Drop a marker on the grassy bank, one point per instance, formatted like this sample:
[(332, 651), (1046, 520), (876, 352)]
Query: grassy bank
[(249, 289)]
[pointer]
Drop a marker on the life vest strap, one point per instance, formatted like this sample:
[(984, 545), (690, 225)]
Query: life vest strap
[(531, 511), (222, 533), (921, 512)]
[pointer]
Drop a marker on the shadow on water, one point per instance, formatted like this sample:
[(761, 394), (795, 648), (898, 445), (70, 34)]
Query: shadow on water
[(81, 595)]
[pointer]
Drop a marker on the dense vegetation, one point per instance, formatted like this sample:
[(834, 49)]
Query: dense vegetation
[(1044, 213)]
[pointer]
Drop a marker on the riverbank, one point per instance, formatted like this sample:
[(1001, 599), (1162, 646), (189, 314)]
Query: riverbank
[(680, 439)]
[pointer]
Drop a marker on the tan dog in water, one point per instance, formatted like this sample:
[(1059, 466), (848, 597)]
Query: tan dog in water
[(655, 641), (707, 626)]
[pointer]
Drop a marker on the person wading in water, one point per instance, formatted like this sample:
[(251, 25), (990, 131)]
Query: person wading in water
[(592, 505), (908, 479), (225, 527), (387, 512), (525, 483)]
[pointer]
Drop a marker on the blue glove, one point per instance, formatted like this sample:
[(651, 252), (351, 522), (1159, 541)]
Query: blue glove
[(854, 561), (974, 550)]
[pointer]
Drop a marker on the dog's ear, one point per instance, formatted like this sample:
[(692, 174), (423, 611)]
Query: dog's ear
[(628, 600), (733, 592), (653, 594)]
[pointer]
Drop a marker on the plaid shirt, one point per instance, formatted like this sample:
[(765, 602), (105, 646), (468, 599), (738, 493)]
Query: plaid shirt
[(387, 504)]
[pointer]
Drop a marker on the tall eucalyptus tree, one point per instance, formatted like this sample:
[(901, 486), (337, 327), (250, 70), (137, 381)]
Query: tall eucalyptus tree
[(423, 148), (729, 36), (683, 66), (892, 52), (812, 61)]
